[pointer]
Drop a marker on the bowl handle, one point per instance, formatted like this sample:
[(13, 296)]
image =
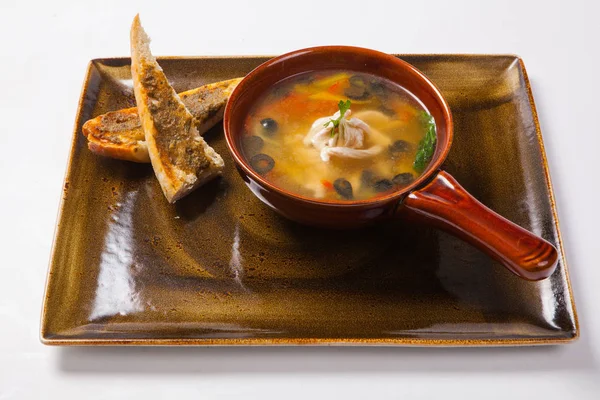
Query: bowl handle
[(445, 204)]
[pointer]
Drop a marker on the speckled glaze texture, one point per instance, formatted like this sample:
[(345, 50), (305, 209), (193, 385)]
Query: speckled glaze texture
[(219, 267)]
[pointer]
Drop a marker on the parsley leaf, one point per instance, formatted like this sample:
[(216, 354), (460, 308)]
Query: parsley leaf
[(343, 106), (427, 144)]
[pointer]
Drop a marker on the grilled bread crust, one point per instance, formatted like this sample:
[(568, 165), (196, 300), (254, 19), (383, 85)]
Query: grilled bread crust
[(119, 134), (180, 157)]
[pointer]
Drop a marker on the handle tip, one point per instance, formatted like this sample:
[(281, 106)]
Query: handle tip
[(539, 263)]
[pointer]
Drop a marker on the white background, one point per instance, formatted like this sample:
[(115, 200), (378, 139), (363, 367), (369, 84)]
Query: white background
[(44, 49)]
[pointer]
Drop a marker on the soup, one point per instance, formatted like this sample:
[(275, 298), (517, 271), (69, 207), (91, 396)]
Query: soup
[(338, 136)]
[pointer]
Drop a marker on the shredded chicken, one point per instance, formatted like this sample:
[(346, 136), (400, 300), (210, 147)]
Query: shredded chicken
[(347, 142)]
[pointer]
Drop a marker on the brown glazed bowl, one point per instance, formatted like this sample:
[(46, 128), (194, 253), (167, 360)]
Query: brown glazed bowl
[(435, 197)]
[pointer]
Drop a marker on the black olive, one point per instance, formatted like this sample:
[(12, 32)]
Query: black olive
[(378, 88), (403, 179), (399, 147), (379, 184), (281, 91), (262, 163), (357, 93), (387, 111), (269, 126), (252, 144), (367, 178), (383, 185), (344, 188), (358, 81), (305, 78)]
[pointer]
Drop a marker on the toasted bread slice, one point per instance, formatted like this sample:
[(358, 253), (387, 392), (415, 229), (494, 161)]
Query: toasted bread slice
[(119, 134), (180, 157)]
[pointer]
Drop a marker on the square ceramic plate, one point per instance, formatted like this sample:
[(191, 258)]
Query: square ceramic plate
[(219, 267)]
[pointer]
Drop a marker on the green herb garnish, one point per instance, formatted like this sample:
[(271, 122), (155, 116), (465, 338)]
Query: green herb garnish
[(427, 144), (343, 106)]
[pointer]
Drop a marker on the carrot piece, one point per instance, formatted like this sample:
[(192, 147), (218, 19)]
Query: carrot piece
[(405, 116), (327, 184), (334, 88), (322, 107)]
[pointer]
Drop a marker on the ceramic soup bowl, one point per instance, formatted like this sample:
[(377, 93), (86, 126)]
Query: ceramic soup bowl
[(435, 197)]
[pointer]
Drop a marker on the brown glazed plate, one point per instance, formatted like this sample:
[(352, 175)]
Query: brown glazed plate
[(220, 268)]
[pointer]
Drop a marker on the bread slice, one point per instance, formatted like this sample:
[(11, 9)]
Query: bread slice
[(180, 157), (119, 134)]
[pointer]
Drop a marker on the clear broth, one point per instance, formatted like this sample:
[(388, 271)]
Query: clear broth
[(282, 117)]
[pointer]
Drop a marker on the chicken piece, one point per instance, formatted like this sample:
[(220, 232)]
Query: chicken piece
[(348, 140)]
